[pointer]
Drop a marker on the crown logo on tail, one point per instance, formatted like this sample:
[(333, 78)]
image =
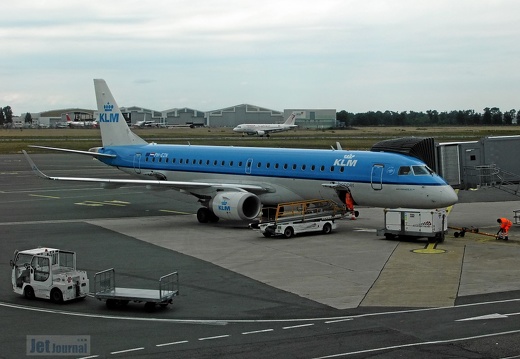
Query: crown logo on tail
[(108, 107)]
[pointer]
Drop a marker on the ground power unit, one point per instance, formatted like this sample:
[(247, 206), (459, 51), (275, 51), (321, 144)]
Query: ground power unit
[(407, 222)]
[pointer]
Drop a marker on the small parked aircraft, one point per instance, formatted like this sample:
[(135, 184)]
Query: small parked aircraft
[(265, 129)]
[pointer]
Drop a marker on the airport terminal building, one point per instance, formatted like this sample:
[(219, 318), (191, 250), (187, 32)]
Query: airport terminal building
[(225, 117)]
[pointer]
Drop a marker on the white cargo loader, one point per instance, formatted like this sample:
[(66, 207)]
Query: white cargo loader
[(408, 222), (48, 273), (293, 218)]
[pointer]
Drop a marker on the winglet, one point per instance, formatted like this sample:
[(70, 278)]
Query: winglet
[(33, 166)]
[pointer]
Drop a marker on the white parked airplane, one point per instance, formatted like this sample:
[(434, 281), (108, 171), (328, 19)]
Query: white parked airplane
[(265, 129), (234, 182)]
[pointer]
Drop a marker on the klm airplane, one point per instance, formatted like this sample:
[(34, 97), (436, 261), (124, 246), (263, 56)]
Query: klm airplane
[(235, 182)]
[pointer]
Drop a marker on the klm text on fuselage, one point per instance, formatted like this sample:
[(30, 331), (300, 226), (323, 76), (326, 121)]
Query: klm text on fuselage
[(347, 160)]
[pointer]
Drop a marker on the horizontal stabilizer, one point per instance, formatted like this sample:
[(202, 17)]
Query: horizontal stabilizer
[(89, 153)]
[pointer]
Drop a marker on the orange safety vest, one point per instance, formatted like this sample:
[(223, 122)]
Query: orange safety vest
[(505, 224), (349, 201)]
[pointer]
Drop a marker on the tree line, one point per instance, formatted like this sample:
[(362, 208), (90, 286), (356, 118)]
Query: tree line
[(489, 116)]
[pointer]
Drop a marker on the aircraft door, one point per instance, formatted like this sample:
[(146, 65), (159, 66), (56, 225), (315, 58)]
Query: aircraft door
[(376, 179), (137, 163), (40, 269), (249, 165)]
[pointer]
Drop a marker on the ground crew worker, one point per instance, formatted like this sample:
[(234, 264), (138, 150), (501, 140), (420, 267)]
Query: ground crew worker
[(349, 201), (505, 224)]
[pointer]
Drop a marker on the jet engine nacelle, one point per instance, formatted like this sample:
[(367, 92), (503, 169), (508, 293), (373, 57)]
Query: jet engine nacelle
[(236, 205), (260, 133)]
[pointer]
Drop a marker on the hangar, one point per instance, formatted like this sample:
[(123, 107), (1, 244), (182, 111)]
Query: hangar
[(184, 116), (135, 114), (314, 118), (225, 117), (244, 113), (54, 117)]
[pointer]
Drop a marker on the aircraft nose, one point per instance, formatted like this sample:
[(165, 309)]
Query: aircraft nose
[(449, 196)]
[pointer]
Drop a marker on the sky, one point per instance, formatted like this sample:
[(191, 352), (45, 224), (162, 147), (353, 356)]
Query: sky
[(353, 55)]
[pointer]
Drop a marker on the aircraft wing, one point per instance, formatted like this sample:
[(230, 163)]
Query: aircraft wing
[(177, 185), (280, 129)]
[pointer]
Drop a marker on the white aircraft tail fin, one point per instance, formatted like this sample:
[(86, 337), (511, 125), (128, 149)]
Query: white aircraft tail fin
[(114, 130), (290, 120)]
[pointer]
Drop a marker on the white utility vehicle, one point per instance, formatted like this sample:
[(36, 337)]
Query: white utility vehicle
[(292, 218), (48, 273)]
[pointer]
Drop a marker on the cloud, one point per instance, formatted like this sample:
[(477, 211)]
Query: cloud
[(207, 54)]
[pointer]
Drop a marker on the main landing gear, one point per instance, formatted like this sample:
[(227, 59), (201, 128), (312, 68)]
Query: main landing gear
[(205, 215)]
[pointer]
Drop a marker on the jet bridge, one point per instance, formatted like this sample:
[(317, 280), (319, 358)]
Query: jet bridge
[(422, 148)]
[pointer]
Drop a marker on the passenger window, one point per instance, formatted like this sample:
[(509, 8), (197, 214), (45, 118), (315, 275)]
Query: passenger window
[(313, 167), (294, 166), (404, 170), (322, 168), (173, 160), (285, 166), (303, 167)]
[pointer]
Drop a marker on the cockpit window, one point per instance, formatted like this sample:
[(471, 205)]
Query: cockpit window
[(415, 170), (405, 170), (421, 170)]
